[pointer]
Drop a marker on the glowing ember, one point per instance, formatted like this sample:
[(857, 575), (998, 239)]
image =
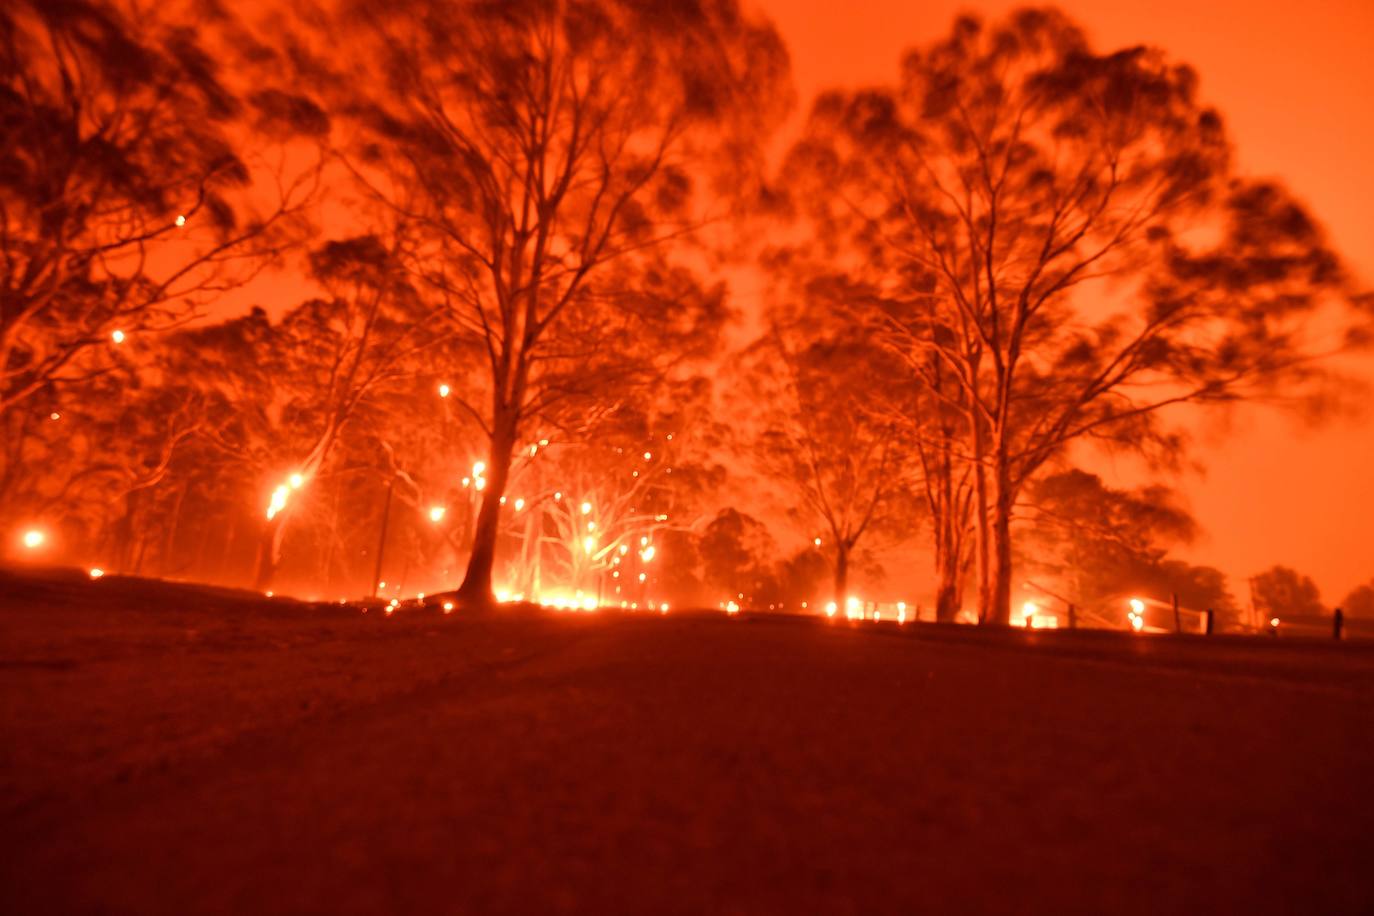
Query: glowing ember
[(97, 572)]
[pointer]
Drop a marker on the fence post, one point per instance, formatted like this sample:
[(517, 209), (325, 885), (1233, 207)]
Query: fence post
[(1073, 617), (1178, 622), (1338, 623), (1210, 616)]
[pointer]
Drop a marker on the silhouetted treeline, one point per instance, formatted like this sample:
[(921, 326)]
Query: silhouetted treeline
[(513, 372)]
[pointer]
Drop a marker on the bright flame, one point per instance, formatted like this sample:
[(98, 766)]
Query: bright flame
[(296, 481), (1029, 609), (479, 468), (117, 337), (642, 577), (448, 607), (586, 508), (731, 607), (663, 608), (1137, 606), (97, 572), (33, 538), (816, 541), (589, 544), (278, 502), (648, 455), (436, 513), (480, 483), (647, 553), (1273, 622), (1137, 623), (519, 504), (444, 390), (830, 609), (54, 416), (181, 219)]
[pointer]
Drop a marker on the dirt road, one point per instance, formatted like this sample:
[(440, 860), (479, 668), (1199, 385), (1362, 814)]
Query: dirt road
[(171, 750)]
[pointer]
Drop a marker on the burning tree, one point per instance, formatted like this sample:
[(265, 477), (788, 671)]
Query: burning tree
[(124, 199), (1063, 235), (548, 151)]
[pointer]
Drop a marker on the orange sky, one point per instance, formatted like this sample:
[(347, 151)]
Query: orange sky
[(1295, 90)]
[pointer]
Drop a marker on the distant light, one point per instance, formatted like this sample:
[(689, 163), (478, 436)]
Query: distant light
[(467, 481), (1137, 623), (480, 483), (117, 337), (444, 390), (642, 577), (97, 572), (816, 541), (1274, 622), (519, 504), (268, 593), (478, 468), (586, 508), (830, 609), (296, 481), (558, 495), (381, 585), (33, 538), (54, 416), (543, 442), (436, 513), (1137, 605), (648, 455), (1029, 609), (589, 544), (448, 607), (503, 500), (648, 553), (181, 220), (663, 608)]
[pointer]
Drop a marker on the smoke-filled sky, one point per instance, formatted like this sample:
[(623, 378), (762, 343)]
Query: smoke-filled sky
[(1293, 82), (1293, 89)]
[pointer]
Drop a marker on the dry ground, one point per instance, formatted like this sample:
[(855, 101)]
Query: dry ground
[(174, 749)]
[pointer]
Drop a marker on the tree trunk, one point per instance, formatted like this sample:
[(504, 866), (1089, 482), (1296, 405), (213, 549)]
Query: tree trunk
[(949, 571), (476, 585), (982, 537), (841, 592), (269, 552), (999, 613)]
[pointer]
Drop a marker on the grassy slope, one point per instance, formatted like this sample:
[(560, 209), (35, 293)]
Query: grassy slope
[(172, 749)]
